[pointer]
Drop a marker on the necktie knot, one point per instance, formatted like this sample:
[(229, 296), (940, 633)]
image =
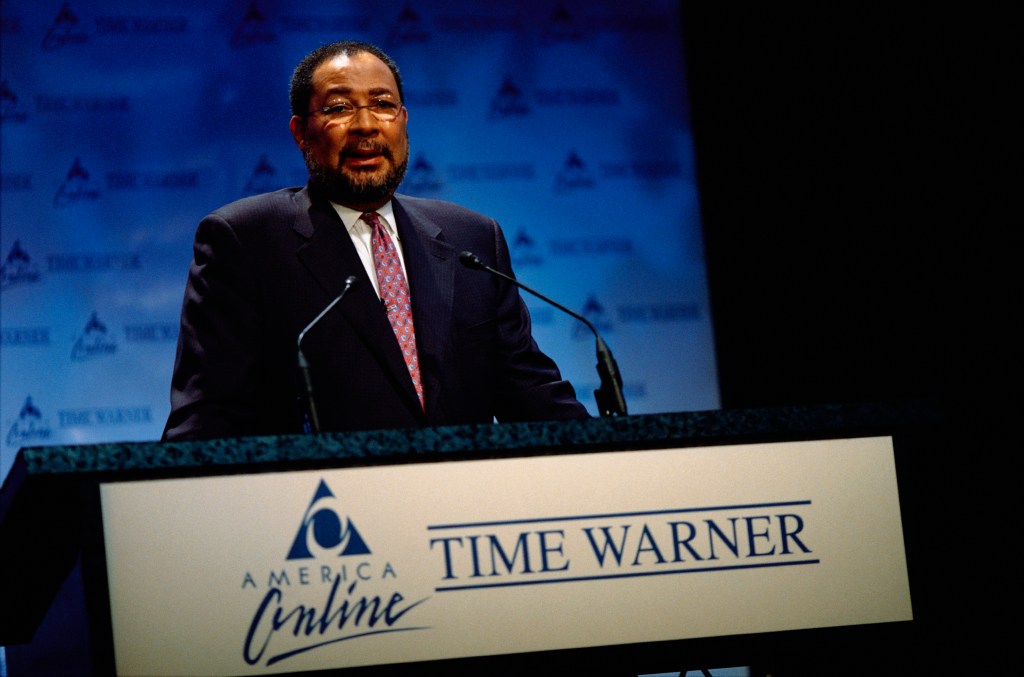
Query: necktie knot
[(372, 219)]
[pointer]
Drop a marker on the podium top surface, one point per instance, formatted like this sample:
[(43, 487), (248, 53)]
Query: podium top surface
[(139, 460)]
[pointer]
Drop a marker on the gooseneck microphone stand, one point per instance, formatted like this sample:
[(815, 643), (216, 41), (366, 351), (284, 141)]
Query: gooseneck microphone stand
[(313, 422), (610, 400)]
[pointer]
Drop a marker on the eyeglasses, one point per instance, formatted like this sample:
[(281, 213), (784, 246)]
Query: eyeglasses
[(346, 111)]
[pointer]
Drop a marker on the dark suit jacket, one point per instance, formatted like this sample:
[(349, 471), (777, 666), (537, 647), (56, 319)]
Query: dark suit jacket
[(265, 266)]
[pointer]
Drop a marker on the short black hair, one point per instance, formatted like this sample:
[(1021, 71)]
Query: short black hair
[(301, 87)]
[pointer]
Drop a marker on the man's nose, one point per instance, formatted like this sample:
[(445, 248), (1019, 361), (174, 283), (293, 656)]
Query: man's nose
[(363, 121)]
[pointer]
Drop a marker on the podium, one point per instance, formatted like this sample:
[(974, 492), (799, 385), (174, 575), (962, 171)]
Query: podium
[(628, 545)]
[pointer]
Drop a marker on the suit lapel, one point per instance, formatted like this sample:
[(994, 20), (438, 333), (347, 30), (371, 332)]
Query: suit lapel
[(330, 257), (327, 251)]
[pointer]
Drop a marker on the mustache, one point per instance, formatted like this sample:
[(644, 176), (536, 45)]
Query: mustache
[(366, 146)]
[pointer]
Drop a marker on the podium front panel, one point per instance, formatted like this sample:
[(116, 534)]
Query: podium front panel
[(305, 570)]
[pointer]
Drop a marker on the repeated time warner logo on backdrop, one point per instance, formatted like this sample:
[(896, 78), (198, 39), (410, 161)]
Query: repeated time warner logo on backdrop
[(123, 125)]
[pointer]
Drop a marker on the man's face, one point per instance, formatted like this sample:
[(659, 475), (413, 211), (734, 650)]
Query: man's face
[(358, 162)]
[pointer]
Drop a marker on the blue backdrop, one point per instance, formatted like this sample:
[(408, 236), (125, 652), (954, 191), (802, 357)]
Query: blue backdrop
[(123, 123)]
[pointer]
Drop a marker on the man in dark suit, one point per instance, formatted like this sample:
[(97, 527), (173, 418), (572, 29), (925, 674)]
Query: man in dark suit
[(418, 340)]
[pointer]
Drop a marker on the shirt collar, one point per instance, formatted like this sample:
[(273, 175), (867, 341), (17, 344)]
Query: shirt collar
[(352, 218)]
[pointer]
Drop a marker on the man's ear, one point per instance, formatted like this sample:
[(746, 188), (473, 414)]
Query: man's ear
[(298, 127)]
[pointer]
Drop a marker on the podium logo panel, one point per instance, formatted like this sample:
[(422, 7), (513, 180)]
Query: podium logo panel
[(308, 570)]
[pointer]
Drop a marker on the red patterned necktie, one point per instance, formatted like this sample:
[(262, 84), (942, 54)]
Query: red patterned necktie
[(394, 291)]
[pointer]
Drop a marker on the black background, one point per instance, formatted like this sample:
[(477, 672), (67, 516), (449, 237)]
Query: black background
[(854, 173), (861, 223)]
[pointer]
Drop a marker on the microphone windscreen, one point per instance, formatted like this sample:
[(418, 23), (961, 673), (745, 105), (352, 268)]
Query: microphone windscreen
[(471, 260)]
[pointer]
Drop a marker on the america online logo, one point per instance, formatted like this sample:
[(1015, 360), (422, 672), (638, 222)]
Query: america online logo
[(30, 426), (18, 268), (317, 599), (325, 527)]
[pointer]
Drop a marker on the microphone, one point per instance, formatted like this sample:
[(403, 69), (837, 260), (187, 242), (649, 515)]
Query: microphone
[(610, 400), (313, 420)]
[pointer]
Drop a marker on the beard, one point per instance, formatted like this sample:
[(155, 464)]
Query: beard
[(360, 188)]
